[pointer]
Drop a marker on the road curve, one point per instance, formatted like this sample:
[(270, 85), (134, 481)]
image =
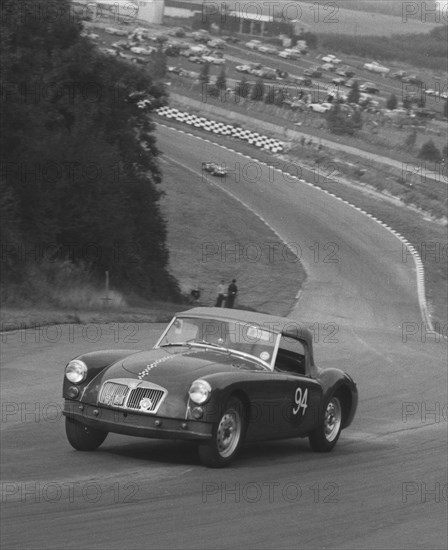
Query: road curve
[(384, 486)]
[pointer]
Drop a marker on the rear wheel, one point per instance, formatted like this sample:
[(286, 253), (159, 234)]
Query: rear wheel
[(82, 437), (228, 436), (327, 433)]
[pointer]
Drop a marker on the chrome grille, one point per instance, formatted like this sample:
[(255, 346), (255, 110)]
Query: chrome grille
[(113, 394), (137, 395), (151, 396)]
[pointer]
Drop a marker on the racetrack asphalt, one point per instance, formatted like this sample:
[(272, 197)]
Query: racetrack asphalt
[(385, 484)]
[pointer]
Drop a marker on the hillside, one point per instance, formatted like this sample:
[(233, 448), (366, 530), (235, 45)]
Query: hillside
[(80, 185)]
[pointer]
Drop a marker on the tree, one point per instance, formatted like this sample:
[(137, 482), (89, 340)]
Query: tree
[(445, 109), (392, 102), (243, 87), (204, 74), (279, 98), (269, 97), (407, 103), (354, 94), (92, 139), (421, 101), (338, 122), (357, 120), (310, 39), (430, 152), (221, 82), (257, 92), (157, 65), (411, 140), (213, 90)]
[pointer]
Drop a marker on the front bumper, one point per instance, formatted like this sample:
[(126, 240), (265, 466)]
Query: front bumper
[(136, 424)]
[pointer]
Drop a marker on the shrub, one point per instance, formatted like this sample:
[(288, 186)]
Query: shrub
[(392, 102), (430, 152), (354, 94), (257, 91)]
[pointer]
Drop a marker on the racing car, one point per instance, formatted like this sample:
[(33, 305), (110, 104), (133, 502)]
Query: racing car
[(216, 376), (214, 169)]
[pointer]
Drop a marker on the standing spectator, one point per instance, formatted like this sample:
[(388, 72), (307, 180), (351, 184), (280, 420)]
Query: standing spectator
[(231, 294), (221, 294)]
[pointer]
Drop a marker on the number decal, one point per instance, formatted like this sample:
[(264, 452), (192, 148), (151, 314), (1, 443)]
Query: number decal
[(300, 399)]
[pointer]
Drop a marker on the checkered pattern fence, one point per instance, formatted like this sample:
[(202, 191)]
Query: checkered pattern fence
[(259, 140)]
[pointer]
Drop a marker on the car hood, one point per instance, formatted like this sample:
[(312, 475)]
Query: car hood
[(177, 367), (173, 369)]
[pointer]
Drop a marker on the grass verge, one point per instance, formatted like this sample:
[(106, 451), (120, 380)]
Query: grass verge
[(211, 236)]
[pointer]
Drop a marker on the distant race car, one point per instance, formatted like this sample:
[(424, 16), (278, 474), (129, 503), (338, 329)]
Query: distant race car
[(217, 377), (214, 169)]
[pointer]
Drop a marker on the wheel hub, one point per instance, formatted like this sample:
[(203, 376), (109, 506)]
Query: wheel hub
[(332, 420), (228, 434)]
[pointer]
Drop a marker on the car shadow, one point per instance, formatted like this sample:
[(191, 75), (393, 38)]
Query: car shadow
[(179, 452)]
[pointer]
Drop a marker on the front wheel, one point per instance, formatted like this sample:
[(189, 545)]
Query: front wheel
[(82, 437), (228, 436), (327, 433)]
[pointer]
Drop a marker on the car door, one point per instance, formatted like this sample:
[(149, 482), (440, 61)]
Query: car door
[(302, 394)]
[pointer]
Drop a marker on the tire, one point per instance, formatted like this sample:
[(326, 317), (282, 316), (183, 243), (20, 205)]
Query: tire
[(228, 437), (327, 433), (81, 437)]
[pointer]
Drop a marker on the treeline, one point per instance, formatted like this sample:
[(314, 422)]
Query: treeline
[(78, 156), (423, 49)]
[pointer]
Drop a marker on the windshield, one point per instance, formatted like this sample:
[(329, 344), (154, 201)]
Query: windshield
[(231, 335)]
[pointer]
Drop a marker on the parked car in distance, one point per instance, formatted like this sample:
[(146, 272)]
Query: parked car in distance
[(345, 71), (120, 45), (216, 43), (197, 59), (142, 51), (201, 36), (214, 60), (266, 48), (243, 68), (370, 88), (376, 68), (300, 80), (108, 51), (231, 39), (320, 107), (412, 79), (117, 32), (330, 58), (399, 74), (289, 54), (253, 44), (200, 49), (313, 71), (328, 67), (295, 104), (175, 69)]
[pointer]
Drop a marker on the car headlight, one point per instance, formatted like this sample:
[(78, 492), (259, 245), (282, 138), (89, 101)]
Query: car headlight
[(199, 391), (76, 371)]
